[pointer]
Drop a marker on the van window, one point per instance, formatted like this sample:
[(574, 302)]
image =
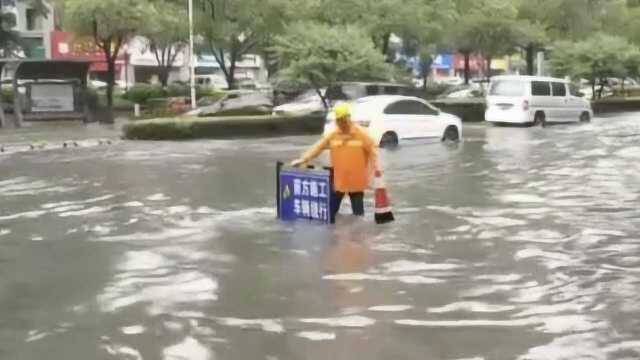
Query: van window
[(573, 90), (372, 90), (390, 90), (507, 88), (540, 88), (559, 89), (407, 91)]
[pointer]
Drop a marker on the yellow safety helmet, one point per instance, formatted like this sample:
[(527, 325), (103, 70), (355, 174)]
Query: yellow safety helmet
[(343, 111)]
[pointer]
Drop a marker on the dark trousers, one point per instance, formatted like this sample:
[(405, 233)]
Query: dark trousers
[(357, 202)]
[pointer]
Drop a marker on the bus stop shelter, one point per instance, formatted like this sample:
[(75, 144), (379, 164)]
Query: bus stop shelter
[(49, 90)]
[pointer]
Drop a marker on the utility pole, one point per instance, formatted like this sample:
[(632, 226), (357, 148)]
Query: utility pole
[(192, 58)]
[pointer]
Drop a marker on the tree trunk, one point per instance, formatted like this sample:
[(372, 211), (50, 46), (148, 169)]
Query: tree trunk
[(111, 79), (467, 69), (489, 60), (425, 77), (2, 118), (107, 116), (386, 38), (593, 88), (325, 103), (601, 88), (231, 74), (111, 55), (163, 75), (530, 49), (271, 65)]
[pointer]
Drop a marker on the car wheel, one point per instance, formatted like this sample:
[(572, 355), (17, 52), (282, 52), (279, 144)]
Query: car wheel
[(585, 117), (389, 140), (540, 119), (451, 133)]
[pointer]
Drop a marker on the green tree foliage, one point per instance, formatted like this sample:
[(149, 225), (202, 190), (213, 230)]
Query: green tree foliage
[(111, 23), (597, 58), (574, 19), (321, 55), (631, 24), (231, 29), (413, 20), (167, 34), (491, 28)]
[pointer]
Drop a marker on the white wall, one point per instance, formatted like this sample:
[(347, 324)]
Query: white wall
[(252, 64), (140, 55)]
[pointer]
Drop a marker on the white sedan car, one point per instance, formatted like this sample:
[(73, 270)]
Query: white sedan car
[(391, 119), (305, 104)]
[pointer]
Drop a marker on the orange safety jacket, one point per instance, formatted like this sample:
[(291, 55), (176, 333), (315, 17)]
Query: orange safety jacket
[(354, 157)]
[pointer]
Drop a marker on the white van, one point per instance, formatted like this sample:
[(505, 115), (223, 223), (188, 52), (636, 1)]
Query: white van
[(534, 100)]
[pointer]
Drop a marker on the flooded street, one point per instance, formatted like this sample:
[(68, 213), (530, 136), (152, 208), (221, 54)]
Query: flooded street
[(517, 243)]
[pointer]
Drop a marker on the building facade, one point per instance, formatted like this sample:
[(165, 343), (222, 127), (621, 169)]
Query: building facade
[(69, 46), (34, 29), (143, 65), (250, 69)]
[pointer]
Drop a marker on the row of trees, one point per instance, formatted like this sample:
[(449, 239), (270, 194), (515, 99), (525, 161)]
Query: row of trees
[(321, 41)]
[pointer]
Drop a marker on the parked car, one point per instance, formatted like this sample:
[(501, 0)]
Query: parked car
[(308, 103), (473, 90), (349, 91), (391, 119), (534, 100), (240, 102), (97, 84), (123, 85), (616, 82), (587, 92), (453, 81)]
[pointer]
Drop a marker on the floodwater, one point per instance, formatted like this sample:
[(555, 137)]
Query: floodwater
[(517, 243)]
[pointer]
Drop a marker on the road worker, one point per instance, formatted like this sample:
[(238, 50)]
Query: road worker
[(354, 158)]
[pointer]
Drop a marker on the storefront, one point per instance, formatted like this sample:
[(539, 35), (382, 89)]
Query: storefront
[(69, 46), (476, 66), (442, 66)]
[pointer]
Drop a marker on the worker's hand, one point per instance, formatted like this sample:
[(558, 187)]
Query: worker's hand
[(297, 162)]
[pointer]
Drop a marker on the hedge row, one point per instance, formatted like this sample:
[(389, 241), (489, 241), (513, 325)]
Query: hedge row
[(472, 110), (610, 105), (183, 128), (221, 127)]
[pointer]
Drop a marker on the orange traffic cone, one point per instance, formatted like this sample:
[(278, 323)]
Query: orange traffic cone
[(383, 212)]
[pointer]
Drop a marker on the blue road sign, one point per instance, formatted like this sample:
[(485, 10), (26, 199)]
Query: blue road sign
[(305, 194)]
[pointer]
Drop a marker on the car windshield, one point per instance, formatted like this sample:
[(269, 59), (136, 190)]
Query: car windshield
[(507, 88)]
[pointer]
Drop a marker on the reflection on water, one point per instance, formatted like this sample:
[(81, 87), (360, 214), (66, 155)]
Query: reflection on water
[(519, 243)]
